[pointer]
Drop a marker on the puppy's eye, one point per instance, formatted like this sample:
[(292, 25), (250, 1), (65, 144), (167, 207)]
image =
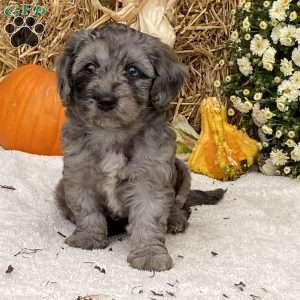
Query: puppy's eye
[(90, 68), (133, 72)]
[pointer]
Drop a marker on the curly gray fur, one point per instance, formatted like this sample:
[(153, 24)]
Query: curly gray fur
[(119, 153)]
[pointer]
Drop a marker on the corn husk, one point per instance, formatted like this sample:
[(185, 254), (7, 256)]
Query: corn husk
[(152, 20), (186, 137)]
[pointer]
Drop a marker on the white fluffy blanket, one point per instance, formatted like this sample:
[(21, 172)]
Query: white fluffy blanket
[(247, 247)]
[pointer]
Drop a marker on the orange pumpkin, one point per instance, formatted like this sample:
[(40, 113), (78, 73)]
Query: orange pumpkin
[(31, 113)]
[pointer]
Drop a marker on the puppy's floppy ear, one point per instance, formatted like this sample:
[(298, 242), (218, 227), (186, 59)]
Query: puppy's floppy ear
[(170, 75), (64, 65)]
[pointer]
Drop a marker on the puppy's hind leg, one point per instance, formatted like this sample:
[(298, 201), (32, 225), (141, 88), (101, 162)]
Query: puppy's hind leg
[(91, 225)]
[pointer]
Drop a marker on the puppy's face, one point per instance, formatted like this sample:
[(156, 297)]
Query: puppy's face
[(111, 76)]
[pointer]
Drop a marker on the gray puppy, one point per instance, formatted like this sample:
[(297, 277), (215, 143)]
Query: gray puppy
[(119, 154)]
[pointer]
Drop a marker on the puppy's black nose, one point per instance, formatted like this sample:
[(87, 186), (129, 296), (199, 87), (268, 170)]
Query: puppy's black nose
[(106, 102)]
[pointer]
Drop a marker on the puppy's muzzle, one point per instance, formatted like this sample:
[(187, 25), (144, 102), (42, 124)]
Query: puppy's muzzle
[(106, 102)]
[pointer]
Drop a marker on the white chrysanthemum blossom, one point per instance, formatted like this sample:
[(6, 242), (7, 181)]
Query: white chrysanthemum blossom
[(267, 130), (291, 134), (279, 157), (245, 66), (247, 36), (290, 143), (281, 104), (278, 134), (228, 78), (293, 16), (246, 24), (288, 90), (247, 6), (286, 67), (258, 96), (296, 56), (275, 35), (295, 154), (277, 79), (246, 92), (287, 35), (268, 168), (278, 11), (234, 36), (268, 114), (297, 35), (243, 107), (233, 98), (269, 59), (295, 79), (217, 83), (287, 170), (259, 45), (241, 3), (258, 116), (231, 112), (263, 25)]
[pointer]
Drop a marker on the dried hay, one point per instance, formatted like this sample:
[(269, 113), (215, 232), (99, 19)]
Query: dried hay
[(202, 28)]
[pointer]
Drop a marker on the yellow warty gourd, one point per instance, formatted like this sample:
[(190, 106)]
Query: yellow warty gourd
[(222, 151)]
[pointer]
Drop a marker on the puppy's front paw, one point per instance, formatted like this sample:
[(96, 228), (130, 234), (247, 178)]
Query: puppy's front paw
[(153, 258), (177, 221), (86, 240)]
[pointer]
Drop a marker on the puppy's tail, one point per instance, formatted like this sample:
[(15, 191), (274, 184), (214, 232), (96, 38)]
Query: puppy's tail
[(197, 197)]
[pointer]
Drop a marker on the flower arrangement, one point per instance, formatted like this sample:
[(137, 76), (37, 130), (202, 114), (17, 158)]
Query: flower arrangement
[(264, 85)]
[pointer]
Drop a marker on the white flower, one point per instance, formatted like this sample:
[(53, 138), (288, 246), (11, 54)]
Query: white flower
[(287, 170), (278, 11), (266, 4), (286, 67), (278, 134), (279, 157), (228, 78), (234, 36), (268, 114), (297, 35), (247, 37), (246, 92), (291, 134), (257, 96), (288, 90), (242, 3), (290, 143), (233, 98), (281, 104), (243, 107), (288, 35), (275, 35), (295, 79), (259, 45), (293, 16), (245, 66), (296, 56), (246, 24), (277, 79), (247, 6), (217, 83), (258, 116), (268, 168), (269, 59), (263, 25), (295, 154), (267, 130), (231, 112)]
